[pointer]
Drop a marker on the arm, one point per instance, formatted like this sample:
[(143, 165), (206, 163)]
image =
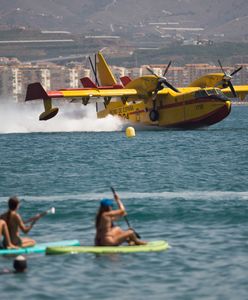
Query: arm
[(24, 229), (34, 219), (119, 203), (115, 214), (121, 212)]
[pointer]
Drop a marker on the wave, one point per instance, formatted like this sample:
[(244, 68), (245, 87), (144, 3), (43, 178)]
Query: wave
[(24, 118), (184, 195)]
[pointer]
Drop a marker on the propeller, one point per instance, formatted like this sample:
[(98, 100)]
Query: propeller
[(226, 80), (94, 69), (162, 81)]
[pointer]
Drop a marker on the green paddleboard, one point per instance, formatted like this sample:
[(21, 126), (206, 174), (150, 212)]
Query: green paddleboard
[(39, 248), (150, 247)]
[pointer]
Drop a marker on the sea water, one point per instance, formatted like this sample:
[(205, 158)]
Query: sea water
[(186, 187)]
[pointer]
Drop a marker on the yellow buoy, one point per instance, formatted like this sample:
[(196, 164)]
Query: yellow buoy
[(130, 132)]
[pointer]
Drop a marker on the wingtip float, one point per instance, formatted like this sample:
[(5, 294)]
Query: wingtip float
[(36, 91)]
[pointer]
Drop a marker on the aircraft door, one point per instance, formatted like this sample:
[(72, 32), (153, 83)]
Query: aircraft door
[(137, 115), (184, 108)]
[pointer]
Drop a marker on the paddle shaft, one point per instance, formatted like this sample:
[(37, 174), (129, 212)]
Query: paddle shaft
[(42, 214), (125, 217)]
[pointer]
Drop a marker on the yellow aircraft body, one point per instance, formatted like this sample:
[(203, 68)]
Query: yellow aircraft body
[(146, 101)]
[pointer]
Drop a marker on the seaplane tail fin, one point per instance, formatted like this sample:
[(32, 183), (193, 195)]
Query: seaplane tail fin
[(104, 73), (125, 80), (88, 83), (36, 91)]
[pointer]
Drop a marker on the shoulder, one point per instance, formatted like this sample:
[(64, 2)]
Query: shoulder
[(105, 214), (16, 216)]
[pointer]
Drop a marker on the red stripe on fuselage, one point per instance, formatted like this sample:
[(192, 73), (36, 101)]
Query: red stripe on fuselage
[(206, 120), (188, 102)]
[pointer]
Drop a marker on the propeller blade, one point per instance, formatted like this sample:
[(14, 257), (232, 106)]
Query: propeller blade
[(167, 68), (152, 72), (162, 81), (236, 71), (221, 67), (94, 71), (232, 89), (171, 86)]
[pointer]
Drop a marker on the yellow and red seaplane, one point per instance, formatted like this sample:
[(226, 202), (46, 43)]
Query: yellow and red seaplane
[(150, 99)]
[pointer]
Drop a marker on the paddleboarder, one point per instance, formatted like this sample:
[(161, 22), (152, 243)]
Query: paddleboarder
[(15, 223), (106, 233), (4, 233)]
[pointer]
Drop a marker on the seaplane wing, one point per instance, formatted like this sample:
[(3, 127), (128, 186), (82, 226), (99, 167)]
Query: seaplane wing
[(35, 91), (241, 91), (222, 81)]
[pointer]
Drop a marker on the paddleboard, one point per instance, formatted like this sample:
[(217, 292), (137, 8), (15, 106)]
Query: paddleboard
[(39, 248), (150, 247)]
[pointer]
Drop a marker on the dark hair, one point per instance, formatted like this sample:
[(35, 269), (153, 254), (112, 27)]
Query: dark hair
[(20, 264), (101, 210), (13, 203)]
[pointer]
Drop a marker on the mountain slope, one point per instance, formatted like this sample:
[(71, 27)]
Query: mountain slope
[(125, 17)]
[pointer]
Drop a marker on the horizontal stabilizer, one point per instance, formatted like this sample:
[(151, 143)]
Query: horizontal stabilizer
[(36, 91), (88, 83)]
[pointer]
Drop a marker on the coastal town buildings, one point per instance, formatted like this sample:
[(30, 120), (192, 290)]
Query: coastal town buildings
[(15, 76)]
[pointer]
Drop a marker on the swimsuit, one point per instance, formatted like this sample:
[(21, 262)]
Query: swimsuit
[(1, 245)]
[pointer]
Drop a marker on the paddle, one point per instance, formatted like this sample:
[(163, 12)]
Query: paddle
[(42, 214), (125, 217)]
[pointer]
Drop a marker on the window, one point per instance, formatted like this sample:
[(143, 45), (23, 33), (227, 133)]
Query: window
[(201, 94)]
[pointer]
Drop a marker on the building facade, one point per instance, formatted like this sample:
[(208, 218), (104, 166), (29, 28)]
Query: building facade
[(15, 76)]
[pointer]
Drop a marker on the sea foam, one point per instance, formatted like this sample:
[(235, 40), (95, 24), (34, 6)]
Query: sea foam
[(24, 118)]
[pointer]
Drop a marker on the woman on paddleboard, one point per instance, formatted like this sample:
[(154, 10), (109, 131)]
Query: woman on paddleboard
[(4, 233), (106, 233), (15, 223)]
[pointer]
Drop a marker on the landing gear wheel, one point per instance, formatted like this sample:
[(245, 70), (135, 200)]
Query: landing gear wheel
[(154, 115)]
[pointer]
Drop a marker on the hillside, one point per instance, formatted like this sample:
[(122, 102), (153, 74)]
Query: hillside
[(180, 19)]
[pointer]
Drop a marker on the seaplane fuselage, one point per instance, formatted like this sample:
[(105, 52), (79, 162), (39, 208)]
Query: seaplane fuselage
[(190, 109)]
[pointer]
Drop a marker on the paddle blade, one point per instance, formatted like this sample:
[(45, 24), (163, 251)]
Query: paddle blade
[(51, 210)]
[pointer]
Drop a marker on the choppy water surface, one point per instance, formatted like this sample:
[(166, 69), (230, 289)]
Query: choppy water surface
[(188, 187)]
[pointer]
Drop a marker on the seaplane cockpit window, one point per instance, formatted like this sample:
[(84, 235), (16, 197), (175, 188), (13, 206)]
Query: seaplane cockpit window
[(211, 92), (216, 92), (221, 95), (201, 94)]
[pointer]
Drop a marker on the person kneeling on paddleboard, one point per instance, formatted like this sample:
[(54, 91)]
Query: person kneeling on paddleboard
[(15, 222), (106, 233), (4, 232)]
